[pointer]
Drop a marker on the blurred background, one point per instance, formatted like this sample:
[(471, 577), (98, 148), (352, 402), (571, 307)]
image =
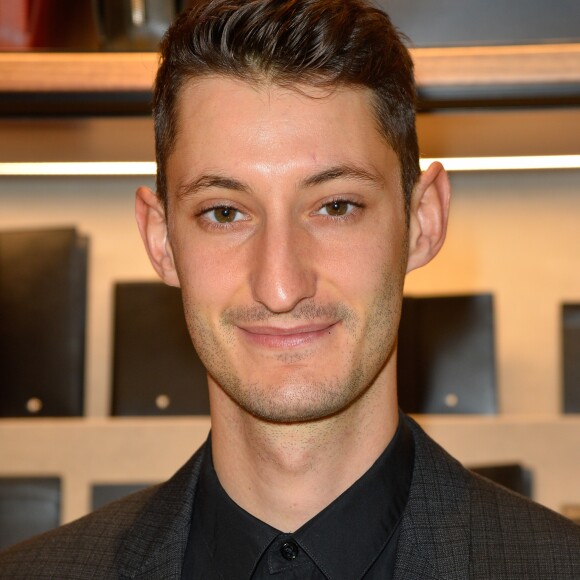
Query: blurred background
[(100, 392)]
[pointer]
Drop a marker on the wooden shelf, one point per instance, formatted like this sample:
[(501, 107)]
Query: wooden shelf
[(85, 451), (498, 65), (77, 72), (436, 68)]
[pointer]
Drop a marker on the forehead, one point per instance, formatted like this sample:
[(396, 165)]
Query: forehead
[(235, 101), (222, 121)]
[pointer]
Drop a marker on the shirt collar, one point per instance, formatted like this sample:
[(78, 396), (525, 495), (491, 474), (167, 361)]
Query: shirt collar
[(360, 521), (235, 539)]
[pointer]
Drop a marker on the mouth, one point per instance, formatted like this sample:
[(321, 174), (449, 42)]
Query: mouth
[(286, 337)]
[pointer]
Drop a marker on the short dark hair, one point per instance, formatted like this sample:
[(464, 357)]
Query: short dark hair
[(323, 43)]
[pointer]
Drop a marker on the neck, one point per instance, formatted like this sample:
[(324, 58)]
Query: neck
[(284, 474)]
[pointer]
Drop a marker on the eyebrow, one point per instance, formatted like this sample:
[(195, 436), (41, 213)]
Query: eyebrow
[(206, 181), (343, 171)]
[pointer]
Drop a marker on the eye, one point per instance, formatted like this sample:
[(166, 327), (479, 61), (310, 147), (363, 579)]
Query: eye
[(337, 208), (223, 215)]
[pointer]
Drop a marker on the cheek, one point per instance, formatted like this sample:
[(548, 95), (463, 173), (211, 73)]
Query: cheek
[(362, 265), (209, 275)]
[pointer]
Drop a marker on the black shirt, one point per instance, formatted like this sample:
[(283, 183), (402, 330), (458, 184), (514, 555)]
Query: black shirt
[(354, 537)]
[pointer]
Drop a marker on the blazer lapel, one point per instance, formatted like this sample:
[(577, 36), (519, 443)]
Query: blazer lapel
[(155, 545), (435, 531)]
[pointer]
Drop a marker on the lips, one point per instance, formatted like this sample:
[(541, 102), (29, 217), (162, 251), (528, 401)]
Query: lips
[(286, 337)]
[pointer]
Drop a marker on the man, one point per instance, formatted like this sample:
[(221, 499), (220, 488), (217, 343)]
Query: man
[(289, 207)]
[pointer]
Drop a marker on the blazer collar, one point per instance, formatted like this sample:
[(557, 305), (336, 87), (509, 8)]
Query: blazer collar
[(435, 530), (155, 544)]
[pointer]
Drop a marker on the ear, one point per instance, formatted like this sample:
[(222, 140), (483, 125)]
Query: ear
[(152, 225), (429, 215)]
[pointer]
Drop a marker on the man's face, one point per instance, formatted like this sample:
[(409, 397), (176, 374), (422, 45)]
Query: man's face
[(287, 227)]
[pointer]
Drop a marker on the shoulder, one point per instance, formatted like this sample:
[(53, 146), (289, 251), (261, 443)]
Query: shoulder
[(150, 526), (79, 548), (523, 533), (498, 533)]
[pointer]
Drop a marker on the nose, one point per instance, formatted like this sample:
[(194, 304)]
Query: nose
[(282, 273)]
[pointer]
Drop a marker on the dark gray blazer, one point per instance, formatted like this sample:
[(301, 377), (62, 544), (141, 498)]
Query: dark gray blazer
[(456, 526)]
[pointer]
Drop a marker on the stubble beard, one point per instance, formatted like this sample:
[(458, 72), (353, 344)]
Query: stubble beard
[(301, 396)]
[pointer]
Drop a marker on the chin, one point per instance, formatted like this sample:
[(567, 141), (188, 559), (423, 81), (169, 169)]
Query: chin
[(295, 402)]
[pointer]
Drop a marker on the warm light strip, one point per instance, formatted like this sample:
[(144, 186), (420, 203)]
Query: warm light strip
[(506, 163), (80, 168), (149, 168)]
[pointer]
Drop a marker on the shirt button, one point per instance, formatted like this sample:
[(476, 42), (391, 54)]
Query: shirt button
[(289, 550)]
